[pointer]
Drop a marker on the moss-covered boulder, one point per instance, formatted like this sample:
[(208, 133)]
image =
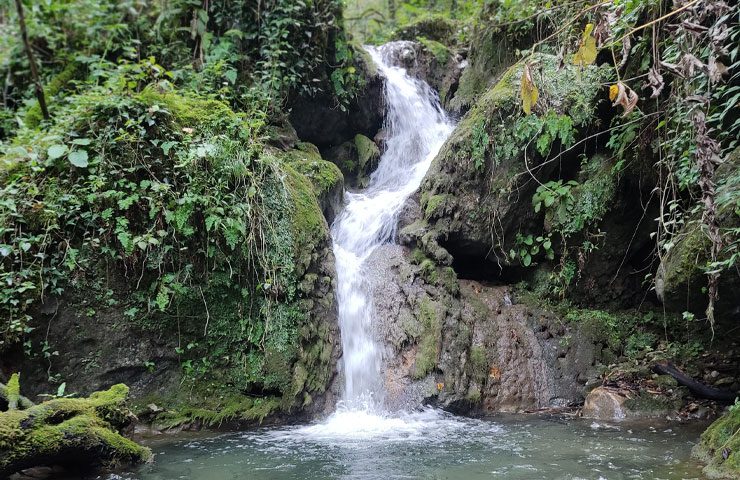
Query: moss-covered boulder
[(492, 49), (201, 270), (325, 177), (719, 447), (478, 192), (82, 433)]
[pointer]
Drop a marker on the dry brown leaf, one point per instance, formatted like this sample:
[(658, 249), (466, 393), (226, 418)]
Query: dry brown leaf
[(655, 81), (623, 95), (716, 69), (626, 49)]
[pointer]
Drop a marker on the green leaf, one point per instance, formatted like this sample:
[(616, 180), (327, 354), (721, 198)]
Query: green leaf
[(230, 76), (527, 260), (60, 390), (82, 141), (78, 158), (56, 151)]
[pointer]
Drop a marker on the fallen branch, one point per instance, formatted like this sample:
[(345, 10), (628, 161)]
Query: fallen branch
[(698, 389)]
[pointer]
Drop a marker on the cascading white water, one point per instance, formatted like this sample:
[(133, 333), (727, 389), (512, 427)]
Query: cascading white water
[(416, 128)]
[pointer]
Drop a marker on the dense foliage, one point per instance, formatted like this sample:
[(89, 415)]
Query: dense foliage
[(152, 188)]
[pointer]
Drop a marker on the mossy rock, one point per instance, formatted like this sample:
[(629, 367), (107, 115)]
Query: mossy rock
[(439, 50), (368, 154), (427, 354), (325, 177), (492, 50), (356, 158), (70, 431), (478, 192), (435, 28), (719, 447)]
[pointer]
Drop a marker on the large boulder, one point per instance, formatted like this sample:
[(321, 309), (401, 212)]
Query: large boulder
[(468, 346), (236, 321), (356, 158), (604, 403), (477, 194)]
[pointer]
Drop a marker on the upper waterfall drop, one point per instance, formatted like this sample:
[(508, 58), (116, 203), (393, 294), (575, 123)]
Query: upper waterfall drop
[(416, 127)]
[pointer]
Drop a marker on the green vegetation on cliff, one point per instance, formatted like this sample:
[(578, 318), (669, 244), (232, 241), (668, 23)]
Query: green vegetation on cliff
[(154, 190)]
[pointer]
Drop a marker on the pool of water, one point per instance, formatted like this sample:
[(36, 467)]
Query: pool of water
[(431, 445)]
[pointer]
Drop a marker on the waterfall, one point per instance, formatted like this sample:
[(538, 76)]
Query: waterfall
[(416, 127)]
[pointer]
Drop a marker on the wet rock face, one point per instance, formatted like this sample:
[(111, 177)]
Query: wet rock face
[(467, 346), (520, 357)]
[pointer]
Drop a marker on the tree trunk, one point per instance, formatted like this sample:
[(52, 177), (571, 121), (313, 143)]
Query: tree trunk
[(32, 61)]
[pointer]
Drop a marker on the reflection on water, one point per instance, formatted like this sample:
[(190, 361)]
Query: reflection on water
[(432, 445)]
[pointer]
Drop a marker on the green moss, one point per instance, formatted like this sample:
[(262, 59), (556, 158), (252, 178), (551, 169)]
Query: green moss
[(720, 440), (309, 225), (14, 391), (76, 426), (448, 279), (56, 85), (417, 256), (646, 403), (440, 51), (433, 205), (428, 349), (324, 176), (189, 111), (367, 153), (477, 366), (429, 271)]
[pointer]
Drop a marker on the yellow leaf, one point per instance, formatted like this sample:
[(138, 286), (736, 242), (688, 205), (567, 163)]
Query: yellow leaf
[(613, 92), (530, 94), (586, 54)]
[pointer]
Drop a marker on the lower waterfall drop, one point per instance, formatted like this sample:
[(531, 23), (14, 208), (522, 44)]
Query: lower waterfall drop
[(416, 128)]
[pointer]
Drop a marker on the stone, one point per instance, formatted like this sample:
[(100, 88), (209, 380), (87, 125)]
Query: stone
[(604, 403)]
